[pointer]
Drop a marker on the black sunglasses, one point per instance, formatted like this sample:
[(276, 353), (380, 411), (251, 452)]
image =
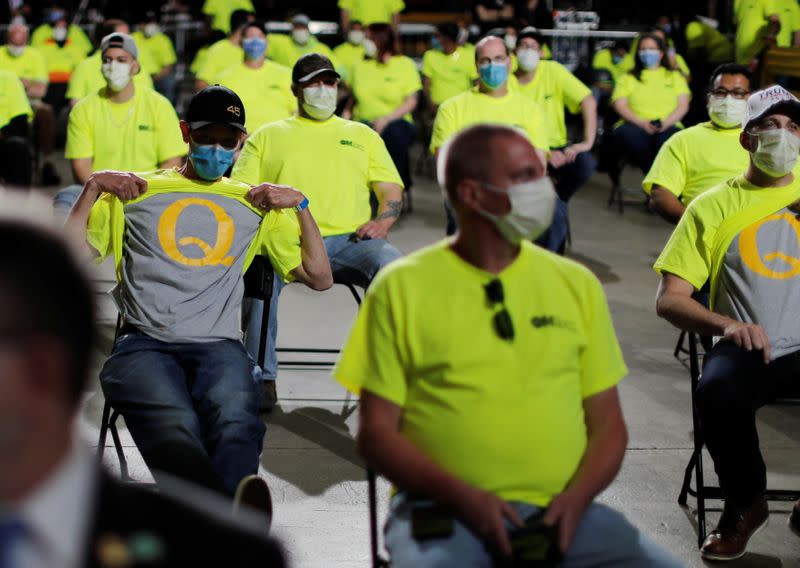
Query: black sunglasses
[(503, 325)]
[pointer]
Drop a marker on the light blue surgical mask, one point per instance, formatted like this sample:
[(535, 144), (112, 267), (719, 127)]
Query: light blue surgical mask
[(254, 47), (436, 44), (493, 75), (211, 161), (650, 58)]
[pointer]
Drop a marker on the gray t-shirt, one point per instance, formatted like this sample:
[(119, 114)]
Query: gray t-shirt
[(760, 280)]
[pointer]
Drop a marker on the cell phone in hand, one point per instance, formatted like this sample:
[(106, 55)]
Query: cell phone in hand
[(656, 123), (535, 545)]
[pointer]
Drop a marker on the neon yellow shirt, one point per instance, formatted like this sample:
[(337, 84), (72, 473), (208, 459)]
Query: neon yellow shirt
[(218, 57), (474, 107), (348, 158), (348, 55), (137, 139), (282, 49), (221, 10), (61, 61), (13, 100), (751, 19), (696, 159), (450, 75), (380, 89), (88, 78), (603, 59), (789, 14), (75, 35), (31, 65), (655, 96), (266, 92), (372, 11), (704, 42), (424, 340), (553, 88), (159, 47)]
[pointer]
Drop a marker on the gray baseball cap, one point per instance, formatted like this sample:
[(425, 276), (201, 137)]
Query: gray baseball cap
[(301, 20), (122, 41)]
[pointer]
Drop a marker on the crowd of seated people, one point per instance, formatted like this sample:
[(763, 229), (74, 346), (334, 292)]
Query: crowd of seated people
[(299, 151)]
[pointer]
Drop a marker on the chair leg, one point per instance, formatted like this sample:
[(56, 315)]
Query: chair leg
[(701, 499), (101, 442), (679, 348), (687, 479), (123, 461), (373, 518)]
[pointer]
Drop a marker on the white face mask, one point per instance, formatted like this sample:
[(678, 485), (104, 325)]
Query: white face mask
[(59, 34), (356, 37), (150, 30), (510, 41), (727, 111), (117, 75), (528, 59), (301, 35), (320, 101), (16, 50), (533, 205), (370, 49), (776, 152)]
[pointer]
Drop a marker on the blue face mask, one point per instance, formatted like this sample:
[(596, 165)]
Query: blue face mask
[(254, 47), (493, 75), (650, 58), (210, 162), (436, 44)]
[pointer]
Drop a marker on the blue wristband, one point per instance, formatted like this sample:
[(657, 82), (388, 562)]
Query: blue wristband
[(302, 205)]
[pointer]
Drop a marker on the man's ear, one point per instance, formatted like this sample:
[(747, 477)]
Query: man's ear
[(135, 67), (748, 141), (296, 90), (185, 130), (467, 193)]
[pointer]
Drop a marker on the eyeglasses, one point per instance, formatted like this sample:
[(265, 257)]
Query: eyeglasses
[(736, 93), (503, 325)]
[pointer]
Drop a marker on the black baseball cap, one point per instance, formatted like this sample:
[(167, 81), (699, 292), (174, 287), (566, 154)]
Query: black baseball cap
[(216, 105), (311, 65)]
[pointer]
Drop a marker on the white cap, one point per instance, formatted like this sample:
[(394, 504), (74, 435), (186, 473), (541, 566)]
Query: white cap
[(772, 100)]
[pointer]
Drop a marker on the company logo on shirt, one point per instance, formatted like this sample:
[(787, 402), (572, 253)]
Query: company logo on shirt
[(748, 249), (145, 127), (212, 255), (351, 144), (543, 321)]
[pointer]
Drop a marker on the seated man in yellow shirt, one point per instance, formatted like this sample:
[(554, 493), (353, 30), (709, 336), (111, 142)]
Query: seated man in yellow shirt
[(743, 236), (351, 51), (15, 150), (447, 68), (287, 49), (350, 164), (62, 54), (224, 53), (150, 38), (702, 156), (120, 127), (467, 406), (264, 86), (370, 12)]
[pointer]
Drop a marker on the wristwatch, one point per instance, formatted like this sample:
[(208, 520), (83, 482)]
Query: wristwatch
[(302, 205)]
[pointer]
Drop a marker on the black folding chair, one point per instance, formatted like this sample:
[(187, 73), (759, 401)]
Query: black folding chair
[(702, 492), (378, 561)]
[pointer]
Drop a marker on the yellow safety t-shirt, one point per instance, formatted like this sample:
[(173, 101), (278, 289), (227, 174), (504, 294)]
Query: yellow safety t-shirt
[(61, 61), (348, 55), (75, 35), (450, 75), (424, 340), (372, 11), (380, 89), (604, 59), (221, 10), (282, 49), (655, 96), (219, 57), (88, 78), (706, 43), (31, 65), (751, 20), (13, 100), (789, 14), (160, 48)]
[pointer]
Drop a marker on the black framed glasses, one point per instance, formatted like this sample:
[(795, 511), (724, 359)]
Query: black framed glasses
[(722, 92), (503, 325)]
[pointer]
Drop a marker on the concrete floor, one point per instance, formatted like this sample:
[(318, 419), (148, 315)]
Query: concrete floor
[(318, 481)]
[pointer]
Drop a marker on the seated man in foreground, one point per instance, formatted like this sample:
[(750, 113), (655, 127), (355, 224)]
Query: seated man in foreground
[(476, 398), (743, 235), (181, 240)]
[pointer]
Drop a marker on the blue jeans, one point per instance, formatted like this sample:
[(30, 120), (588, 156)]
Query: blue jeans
[(192, 408), (65, 199), (352, 262), (640, 146), (604, 538), (569, 178)]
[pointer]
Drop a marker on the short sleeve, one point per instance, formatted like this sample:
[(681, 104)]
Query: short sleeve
[(39, 66), (536, 127), (16, 100), (624, 87), (346, 4), (80, 139), (209, 7), (170, 139), (98, 229), (370, 359), (168, 56), (381, 166), (412, 82), (668, 169), (279, 238), (601, 361), (247, 168), (427, 63), (396, 5), (686, 254), (573, 89), (681, 87), (443, 125), (76, 88)]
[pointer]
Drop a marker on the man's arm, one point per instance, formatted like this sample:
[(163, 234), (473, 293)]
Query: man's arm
[(35, 89), (315, 268), (383, 447), (81, 169), (589, 115), (408, 105), (675, 304), (605, 448), (666, 204), (390, 203)]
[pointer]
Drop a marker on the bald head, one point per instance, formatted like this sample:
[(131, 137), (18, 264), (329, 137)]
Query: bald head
[(18, 34), (490, 47)]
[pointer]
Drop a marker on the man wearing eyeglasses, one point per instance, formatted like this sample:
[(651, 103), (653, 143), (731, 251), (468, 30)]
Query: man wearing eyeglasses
[(181, 240), (698, 158), (487, 369)]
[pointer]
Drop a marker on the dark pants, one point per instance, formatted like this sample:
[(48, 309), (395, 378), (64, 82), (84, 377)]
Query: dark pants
[(16, 162), (735, 383), (638, 145), (398, 137), (192, 408), (569, 178)]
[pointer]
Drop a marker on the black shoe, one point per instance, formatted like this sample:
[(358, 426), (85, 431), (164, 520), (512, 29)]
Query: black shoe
[(252, 495), (269, 396), (49, 175)]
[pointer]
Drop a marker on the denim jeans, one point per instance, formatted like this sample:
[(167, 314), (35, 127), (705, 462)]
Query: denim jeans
[(570, 177), (64, 199), (352, 262), (604, 538), (192, 408), (640, 146)]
